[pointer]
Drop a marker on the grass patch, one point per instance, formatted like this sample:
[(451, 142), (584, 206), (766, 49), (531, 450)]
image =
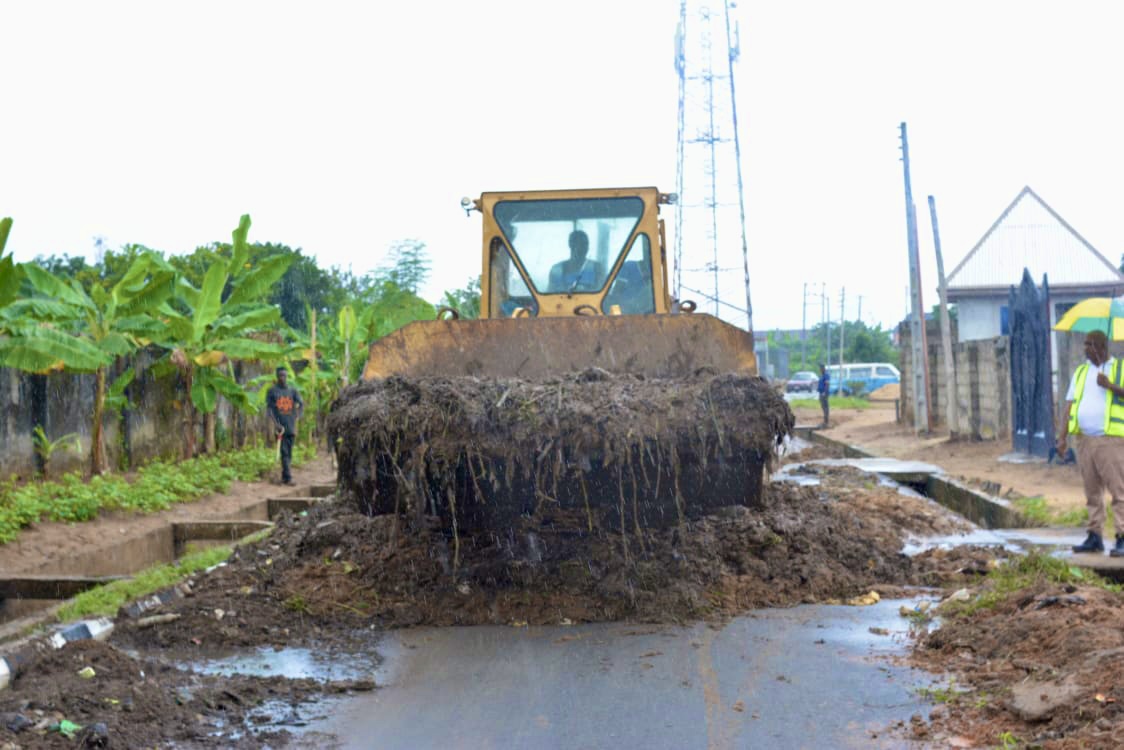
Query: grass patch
[(1020, 573), (834, 402), (1037, 509), (106, 600), (155, 487), (950, 694)]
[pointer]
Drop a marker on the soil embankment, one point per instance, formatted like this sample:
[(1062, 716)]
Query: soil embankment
[(331, 577), (323, 579), (1044, 667)]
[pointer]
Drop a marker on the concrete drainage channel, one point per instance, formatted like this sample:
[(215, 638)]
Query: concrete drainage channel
[(990, 513), (30, 601)]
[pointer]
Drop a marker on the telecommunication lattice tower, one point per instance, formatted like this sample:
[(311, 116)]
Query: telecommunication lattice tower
[(711, 261)]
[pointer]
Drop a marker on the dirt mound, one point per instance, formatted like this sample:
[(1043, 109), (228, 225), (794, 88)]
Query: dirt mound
[(888, 392), (1045, 666), (337, 568), (118, 701), (480, 453)]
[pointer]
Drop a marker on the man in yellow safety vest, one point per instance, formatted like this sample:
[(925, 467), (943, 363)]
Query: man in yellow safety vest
[(1095, 408)]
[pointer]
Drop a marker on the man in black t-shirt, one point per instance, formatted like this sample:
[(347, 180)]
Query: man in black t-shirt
[(285, 408)]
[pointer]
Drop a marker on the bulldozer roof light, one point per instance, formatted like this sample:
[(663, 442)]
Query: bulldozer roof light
[(468, 204), (669, 199)]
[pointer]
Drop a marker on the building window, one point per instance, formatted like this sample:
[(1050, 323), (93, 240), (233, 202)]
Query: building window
[(1004, 321)]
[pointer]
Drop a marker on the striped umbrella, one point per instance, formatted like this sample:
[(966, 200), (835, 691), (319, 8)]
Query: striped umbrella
[(1095, 314)]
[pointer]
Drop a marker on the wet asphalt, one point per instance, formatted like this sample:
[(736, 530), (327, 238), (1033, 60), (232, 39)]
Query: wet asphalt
[(813, 676)]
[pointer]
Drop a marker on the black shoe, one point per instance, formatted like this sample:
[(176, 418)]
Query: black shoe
[(1094, 543), (1118, 550)]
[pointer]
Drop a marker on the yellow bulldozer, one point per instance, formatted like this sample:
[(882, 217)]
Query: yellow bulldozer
[(583, 391)]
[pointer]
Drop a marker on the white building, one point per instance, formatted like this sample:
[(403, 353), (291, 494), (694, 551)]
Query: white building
[(1028, 234)]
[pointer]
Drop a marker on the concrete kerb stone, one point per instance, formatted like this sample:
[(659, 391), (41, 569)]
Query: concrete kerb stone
[(23, 652), (986, 511), (19, 652), (849, 451)]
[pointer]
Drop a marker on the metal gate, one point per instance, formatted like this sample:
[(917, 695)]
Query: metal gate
[(1032, 403)]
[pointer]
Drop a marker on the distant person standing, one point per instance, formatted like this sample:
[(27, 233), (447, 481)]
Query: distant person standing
[(824, 388), (1095, 408), (285, 408)]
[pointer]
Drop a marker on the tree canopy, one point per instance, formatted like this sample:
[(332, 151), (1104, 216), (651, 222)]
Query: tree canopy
[(861, 343)]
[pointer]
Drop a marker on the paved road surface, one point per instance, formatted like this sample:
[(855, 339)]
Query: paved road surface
[(807, 677)]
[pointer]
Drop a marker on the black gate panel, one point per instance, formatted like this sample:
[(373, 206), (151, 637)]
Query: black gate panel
[(1032, 402)]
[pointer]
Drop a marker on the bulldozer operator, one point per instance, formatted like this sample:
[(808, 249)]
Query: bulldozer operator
[(578, 272)]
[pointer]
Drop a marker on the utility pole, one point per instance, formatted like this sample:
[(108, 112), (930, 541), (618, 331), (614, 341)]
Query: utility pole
[(919, 352), (804, 328), (860, 308), (842, 330), (826, 327), (951, 412)]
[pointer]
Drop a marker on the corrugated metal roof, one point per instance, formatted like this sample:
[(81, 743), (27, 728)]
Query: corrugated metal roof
[(1031, 235)]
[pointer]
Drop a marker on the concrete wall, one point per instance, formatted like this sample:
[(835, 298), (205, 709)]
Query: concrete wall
[(983, 384), (64, 403)]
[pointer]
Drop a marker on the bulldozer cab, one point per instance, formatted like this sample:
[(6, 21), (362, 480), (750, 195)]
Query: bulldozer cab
[(572, 279), (557, 253)]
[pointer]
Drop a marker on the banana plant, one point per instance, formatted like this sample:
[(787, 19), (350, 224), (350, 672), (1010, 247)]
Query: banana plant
[(331, 351), (215, 331), (63, 327), (9, 273)]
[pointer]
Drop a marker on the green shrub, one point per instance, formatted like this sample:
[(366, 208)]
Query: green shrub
[(155, 487), (1022, 572)]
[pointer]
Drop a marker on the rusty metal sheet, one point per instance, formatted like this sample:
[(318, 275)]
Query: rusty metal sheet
[(651, 345)]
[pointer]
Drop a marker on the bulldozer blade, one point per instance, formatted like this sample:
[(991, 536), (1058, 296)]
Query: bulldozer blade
[(657, 346)]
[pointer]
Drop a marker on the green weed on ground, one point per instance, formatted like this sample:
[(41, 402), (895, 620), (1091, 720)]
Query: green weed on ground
[(953, 694), (107, 599), (155, 487), (1020, 573), (949, 694), (834, 402), (1008, 741), (1038, 511)]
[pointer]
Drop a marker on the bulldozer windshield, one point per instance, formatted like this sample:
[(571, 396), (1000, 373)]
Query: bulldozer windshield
[(569, 245)]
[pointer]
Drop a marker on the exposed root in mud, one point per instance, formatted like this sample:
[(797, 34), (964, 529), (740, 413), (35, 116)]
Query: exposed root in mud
[(481, 453)]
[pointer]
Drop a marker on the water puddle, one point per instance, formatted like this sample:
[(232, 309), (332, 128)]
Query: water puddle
[(792, 445), (796, 474), (1021, 458), (1054, 542), (294, 663), (803, 480)]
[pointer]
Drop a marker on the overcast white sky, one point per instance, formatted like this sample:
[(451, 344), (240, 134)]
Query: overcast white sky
[(341, 127)]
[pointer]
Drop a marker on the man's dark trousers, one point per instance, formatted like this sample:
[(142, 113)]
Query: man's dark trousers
[(287, 457), (826, 408)]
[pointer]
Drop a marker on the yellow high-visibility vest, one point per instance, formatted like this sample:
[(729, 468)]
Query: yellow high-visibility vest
[(1114, 405)]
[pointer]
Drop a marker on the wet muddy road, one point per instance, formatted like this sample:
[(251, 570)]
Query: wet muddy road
[(812, 676)]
